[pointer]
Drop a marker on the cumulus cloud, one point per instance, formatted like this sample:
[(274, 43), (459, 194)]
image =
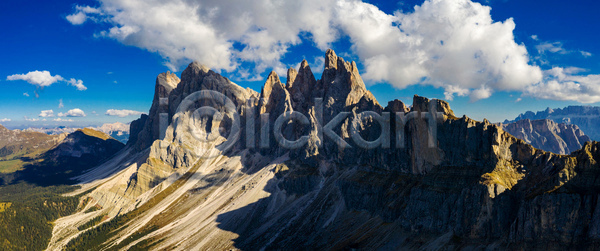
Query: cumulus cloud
[(122, 113), (30, 119), (46, 113), (78, 83), (38, 78), (44, 78), (5, 120), (81, 14), (450, 44), (60, 103), (567, 84), (26, 94), (72, 113), (481, 93), (208, 30)]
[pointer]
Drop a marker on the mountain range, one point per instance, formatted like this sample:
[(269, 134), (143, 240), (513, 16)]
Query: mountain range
[(117, 130), (339, 171), (587, 118), (548, 135), (36, 170)]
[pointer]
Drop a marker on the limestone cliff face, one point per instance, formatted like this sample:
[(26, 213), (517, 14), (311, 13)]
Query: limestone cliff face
[(165, 83), (587, 118), (439, 182), (548, 135)]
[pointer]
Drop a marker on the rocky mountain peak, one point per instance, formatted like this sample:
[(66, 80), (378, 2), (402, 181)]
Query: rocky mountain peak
[(422, 104), (291, 77), (195, 68), (274, 95), (548, 135), (166, 81), (396, 106), (331, 60), (461, 183), (273, 83), (343, 88), (302, 86), (587, 118)]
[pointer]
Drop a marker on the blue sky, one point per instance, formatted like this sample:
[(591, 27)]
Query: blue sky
[(118, 52)]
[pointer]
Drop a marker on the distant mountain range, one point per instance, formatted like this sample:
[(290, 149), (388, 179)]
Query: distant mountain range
[(587, 118), (117, 130), (548, 135), (35, 169)]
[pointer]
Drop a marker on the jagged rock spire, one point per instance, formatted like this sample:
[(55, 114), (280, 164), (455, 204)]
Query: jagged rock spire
[(274, 96)]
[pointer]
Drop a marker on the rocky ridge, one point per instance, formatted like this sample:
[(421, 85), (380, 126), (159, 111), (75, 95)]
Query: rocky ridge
[(117, 130), (69, 156), (587, 118), (548, 135), (17, 143), (473, 186)]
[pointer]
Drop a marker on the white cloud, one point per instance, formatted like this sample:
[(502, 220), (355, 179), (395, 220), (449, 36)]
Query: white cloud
[(77, 18), (26, 94), (62, 120), (30, 119), (46, 113), (81, 14), (5, 120), (122, 113), (44, 78), (557, 47), (450, 44), (73, 113), (553, 47), (518, 100), (77, 83), (207, 30), (60, 103), (481, 93), (566, 84), (585, 54), (39, 78)]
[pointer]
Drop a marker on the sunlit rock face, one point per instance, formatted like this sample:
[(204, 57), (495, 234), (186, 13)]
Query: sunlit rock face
[(587, 118), (439, 181), (548, 135)]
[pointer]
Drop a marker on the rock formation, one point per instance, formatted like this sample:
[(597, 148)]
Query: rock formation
[(587, 118), (548, 135), (438, 181)]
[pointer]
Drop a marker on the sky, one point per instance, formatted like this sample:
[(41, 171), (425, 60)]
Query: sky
[(85, 63)]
